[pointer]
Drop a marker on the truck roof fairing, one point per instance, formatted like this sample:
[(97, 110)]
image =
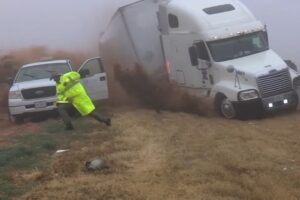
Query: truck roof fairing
[(218, 25)]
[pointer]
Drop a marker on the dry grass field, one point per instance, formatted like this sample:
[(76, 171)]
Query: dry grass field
[(175, 156), (152, 154)]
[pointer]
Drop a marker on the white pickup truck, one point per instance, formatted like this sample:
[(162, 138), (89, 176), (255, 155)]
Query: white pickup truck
[(32, 91)]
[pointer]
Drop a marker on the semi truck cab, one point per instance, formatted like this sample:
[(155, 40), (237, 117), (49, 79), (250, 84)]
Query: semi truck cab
[(207, 48), (219, 49)]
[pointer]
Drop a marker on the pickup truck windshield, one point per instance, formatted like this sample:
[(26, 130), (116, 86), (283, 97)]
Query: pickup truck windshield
[(236, 47), (38, 72)]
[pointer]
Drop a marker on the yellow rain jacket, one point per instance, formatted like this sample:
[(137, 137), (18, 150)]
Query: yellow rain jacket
[(70, 90)]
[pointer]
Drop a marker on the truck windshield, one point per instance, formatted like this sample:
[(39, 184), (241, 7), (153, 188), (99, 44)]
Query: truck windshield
[(236, 47), (38, 72)]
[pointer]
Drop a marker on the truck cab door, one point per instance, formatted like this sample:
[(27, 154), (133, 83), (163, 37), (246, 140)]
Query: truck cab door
[(201, 61), (94, 78)]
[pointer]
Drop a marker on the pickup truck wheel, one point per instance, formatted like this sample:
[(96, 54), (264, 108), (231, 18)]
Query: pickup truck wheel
[(227, 109), (18, 119)]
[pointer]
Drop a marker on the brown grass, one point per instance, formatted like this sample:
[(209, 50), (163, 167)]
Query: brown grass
[(24, 178), (181, 156)]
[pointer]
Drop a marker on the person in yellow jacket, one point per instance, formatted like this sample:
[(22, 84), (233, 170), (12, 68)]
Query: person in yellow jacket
[(70, 90)]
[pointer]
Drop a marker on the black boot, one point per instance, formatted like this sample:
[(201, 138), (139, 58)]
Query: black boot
[(102, 119)]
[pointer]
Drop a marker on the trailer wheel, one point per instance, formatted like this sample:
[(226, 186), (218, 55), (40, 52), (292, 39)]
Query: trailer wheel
[(225, 107)]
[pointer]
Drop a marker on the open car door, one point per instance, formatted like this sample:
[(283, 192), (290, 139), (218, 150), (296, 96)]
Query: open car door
[(94, 78)]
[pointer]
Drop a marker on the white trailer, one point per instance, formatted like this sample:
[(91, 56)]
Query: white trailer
[(213, 48)]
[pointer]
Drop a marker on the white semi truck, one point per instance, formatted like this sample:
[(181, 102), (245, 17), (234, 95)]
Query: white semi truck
[(212, 48)]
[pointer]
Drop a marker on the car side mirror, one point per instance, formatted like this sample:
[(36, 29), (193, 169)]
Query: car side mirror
[(84, 73)]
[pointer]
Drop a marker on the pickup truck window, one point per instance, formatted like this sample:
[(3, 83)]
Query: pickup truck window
[(240, 46), (92, 67), (38, 72)]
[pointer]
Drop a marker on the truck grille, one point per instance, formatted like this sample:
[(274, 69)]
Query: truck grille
[(274, 83), (40, 92)]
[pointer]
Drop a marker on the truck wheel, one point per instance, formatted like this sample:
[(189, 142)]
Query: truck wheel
[(295, 103), (227, 109), (18, 119)]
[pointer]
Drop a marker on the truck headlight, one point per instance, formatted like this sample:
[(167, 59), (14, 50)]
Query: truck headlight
[(248, 95), (15, 95)]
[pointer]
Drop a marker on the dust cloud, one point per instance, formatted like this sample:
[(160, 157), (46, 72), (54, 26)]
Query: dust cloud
[(130, 85), (159, 94)]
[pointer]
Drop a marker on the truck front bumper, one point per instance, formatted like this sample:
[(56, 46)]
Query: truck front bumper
[(282, 101), (275, 103), (20, 107)]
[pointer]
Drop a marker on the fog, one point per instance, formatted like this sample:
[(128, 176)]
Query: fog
[(281, 18), (66, 24), (77, 25)]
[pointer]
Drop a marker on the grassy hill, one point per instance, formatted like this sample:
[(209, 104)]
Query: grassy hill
[(165, 156)]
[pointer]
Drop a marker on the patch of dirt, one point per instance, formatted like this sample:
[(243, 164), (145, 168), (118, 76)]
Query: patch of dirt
[(8, 128)]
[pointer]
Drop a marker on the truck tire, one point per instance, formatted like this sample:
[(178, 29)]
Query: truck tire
[(225, 107), (17, 119), (295, 103)]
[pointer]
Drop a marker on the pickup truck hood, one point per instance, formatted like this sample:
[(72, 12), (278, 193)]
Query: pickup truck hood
[(32, 84), (257, 64)]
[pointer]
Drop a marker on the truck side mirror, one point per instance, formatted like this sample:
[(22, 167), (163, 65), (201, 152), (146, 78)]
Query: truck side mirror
[(291, 65), (266, 37), (230, 69), (193, 56)]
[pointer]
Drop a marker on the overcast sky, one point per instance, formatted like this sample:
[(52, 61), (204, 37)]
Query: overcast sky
[(76, 24)]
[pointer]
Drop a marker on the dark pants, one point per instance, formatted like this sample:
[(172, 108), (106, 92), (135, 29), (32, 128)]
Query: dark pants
[(62, 110)]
